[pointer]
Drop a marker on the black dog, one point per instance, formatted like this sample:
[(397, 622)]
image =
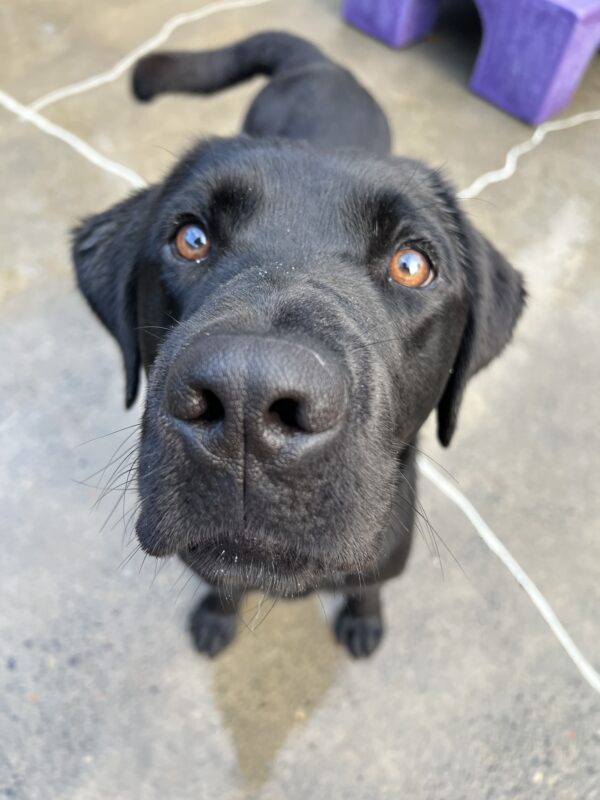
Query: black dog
[(301, 302)]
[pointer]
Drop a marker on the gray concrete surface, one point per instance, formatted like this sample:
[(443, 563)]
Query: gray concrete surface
[(471, 696)]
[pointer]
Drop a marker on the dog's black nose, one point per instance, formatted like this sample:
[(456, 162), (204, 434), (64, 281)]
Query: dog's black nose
[(236, 394)]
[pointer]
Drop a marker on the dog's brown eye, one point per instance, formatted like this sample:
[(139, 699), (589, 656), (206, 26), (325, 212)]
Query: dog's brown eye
[(191, 242), (410, 268)]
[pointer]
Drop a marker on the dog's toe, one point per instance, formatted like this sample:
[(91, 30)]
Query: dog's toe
[(211, 631), (360, 635)]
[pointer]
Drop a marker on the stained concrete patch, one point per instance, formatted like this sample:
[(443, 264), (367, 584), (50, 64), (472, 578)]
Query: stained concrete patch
[(273, 678)]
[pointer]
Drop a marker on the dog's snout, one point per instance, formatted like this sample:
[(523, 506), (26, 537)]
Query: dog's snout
[(256, 394)]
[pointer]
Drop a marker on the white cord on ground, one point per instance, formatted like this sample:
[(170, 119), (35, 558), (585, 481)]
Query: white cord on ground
[(82, 147), (511, 564), (128, 60), (515, 153)]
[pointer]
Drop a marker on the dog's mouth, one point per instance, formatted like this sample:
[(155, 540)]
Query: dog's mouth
[(252, 563)]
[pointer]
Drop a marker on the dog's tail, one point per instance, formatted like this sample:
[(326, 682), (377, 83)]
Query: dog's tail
[(210, 70)]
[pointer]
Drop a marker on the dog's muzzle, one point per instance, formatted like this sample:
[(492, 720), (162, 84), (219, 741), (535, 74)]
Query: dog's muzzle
[(234, 397)]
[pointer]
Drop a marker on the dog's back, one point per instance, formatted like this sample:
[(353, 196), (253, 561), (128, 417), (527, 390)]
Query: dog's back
[(308, 96)]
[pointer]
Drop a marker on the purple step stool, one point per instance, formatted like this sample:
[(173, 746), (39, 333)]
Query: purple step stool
[(533, 52)]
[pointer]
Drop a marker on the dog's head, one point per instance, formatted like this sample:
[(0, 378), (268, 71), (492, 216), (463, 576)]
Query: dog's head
[(299, 315)]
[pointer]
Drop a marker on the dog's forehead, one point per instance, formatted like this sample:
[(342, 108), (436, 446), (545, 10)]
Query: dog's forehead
[(291, 177)]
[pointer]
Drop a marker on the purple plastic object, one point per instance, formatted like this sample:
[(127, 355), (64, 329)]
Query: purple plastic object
[(534, 53), (532, 56), (396, 22)]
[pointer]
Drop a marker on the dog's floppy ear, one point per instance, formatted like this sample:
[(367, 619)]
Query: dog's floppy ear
[(106, 251), (496, 299)]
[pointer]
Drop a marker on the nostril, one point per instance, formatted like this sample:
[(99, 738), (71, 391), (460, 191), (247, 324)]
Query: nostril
[(203, 406), (214, 411), (286, 414)]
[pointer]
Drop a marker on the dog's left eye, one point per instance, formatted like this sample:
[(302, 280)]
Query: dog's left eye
[(410, 268), (191, 242)]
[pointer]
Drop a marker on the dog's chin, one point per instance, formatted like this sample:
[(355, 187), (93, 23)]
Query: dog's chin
[(254, 562), (226, 564)]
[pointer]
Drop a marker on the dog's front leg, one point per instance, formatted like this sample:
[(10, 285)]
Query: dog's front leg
[(213, 622), (359, 626)]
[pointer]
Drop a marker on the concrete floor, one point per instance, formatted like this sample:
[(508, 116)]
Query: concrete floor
[(471, 695)]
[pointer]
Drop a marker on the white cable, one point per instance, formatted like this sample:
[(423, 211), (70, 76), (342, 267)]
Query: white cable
[(511, 564), (457, 497), (82, 147), (141, 50), (515, 153)]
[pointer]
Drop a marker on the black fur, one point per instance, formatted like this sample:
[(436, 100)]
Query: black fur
[(287, 376)]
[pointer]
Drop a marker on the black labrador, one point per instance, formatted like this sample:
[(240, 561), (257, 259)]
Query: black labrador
[(301, 301)]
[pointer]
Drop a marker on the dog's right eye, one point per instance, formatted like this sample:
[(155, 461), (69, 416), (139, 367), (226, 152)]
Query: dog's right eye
[(410, 268), (191, 242)]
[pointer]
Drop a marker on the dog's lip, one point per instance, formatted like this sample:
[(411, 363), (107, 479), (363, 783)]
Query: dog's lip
[(254, 566), (245, 556), (246, 551)]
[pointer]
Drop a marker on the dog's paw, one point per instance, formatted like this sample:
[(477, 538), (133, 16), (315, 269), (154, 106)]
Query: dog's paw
[(360, 635), (147, 74), (211, 629)]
